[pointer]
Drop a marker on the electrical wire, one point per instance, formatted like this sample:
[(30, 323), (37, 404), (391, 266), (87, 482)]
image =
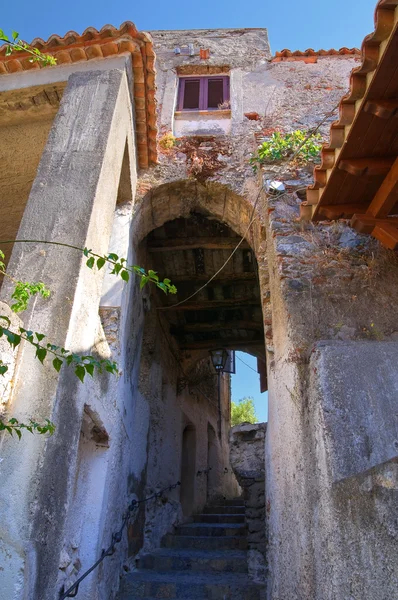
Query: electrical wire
[(252, 219), (242, 361)]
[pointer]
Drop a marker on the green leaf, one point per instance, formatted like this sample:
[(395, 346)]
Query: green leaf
[(90, 262), (41, 354), (100, 263), (18, 432), (40, 336), (113, 257), (86, 251), (143, 281), (80, 372), (3, 369), (57, 364), (90, 369), (125, 275), (15, 35)]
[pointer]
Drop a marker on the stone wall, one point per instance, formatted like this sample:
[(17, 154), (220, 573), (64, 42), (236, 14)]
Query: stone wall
[(330, 454), (247, 452)]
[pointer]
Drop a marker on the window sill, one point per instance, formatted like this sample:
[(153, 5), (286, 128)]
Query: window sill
[(217, 113)]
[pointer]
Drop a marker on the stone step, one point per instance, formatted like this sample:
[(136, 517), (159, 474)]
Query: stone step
[(181, 585), (211, 561), (231, 502), (224, 510), (219, 518), (212, 529), (205, 542)]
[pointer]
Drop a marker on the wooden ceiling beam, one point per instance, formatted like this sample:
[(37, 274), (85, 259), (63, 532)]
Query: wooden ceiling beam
[(384, 109), (192, 243), (340, 211), (387, 235), (214, 304), (216, 326), (229, 343), (366, 224), (203, 277), (371, 167), (387, 194)]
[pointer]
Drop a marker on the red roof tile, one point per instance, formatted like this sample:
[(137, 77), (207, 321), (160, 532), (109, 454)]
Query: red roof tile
[(311, 55), (93, 44)]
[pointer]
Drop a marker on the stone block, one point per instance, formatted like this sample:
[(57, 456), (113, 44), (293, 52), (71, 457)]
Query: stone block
[(354, 386)]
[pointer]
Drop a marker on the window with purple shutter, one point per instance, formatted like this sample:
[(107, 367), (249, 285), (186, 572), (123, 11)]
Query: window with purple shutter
[(202, 93)]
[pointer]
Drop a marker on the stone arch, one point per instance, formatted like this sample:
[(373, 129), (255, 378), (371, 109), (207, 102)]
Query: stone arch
[(217, 201)]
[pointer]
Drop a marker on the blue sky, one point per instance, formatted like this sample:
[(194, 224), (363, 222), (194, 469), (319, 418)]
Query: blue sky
[(246, 382), (291, 24)]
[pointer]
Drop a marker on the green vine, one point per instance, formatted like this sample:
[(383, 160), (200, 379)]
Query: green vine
[(83, 364), (14, 426), (17, 45)]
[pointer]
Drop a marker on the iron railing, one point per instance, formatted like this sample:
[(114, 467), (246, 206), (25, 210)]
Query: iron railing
[(72, 591)]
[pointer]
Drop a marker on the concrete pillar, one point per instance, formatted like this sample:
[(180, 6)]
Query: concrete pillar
[(72, 200)]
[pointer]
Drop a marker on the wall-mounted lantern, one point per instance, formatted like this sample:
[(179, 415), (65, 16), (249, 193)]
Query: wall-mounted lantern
[(219, 359)]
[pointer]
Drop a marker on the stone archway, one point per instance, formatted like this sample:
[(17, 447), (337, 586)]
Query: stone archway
[(180, 204)]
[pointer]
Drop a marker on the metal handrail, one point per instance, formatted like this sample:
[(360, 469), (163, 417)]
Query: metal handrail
[(116, 538)]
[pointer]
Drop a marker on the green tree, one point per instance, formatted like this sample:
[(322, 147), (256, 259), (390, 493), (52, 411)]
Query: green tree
[(243, 411)]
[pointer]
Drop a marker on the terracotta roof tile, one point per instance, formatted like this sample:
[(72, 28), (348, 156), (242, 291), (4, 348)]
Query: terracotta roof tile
[(93, 44), (349, 107), (311, 55)]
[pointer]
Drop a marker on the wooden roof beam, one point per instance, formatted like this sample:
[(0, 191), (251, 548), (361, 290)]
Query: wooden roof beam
[(366, 224), (371, 167), (387, 235), (216, 326), (387, 194), (384, 109), (340, 211), (230, 343), (192, 243), (203, 277), (214, 304)]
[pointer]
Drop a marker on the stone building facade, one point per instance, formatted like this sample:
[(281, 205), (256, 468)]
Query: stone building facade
[(141, 146)]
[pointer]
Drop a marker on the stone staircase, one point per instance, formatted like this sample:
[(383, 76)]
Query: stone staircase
[(203, 559)]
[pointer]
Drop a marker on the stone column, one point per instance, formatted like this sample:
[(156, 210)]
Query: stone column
[(247, 454), (72, 200)]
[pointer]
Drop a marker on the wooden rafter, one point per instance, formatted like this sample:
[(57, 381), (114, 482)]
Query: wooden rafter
[(358, 174), (232, 343), (217, 326), (210, 243), (213, 304)]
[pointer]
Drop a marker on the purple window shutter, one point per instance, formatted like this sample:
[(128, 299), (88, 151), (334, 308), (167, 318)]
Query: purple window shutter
[(181, 92), (225, 89), (204, 91)]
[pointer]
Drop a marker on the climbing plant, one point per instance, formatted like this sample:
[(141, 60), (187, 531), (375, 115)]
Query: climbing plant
[(82, 364), (15, 44), (284, 146)]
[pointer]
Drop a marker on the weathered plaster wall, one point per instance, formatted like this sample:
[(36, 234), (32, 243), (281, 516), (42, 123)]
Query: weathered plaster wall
[(85, 152), (330, 454)]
